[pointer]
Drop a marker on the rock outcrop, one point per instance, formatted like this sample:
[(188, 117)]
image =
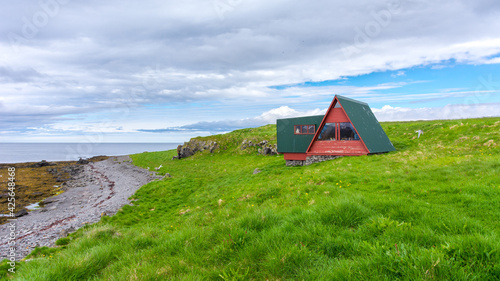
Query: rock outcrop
[(265, 148), (311, 160), (194, 145), (42, 163), (21, 213), (82, 161)]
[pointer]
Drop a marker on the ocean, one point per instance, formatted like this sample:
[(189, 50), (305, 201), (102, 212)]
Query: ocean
[(35, 152)]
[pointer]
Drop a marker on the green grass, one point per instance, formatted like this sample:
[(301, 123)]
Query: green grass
[(428, 211)]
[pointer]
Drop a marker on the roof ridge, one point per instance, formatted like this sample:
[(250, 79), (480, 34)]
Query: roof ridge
[(301, 116), (350, 100)]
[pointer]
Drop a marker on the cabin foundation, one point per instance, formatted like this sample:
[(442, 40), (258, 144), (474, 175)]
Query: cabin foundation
[(311, 160)]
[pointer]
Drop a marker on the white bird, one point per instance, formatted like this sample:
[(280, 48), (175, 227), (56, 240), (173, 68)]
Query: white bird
[(159, 167), (420, 132)]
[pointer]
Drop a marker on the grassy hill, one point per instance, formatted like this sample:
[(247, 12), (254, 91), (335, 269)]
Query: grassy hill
[(429, 211)]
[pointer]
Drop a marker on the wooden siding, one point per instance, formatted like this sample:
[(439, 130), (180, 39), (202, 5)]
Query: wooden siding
[(336, 115), (338, 148), (295, 156)]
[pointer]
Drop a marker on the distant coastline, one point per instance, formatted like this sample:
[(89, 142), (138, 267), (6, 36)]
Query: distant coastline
[(35, 152)]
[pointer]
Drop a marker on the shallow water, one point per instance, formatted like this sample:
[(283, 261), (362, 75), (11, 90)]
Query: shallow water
[(33, 206)]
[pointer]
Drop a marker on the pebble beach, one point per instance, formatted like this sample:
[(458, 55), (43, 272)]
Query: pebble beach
[(97, 189)]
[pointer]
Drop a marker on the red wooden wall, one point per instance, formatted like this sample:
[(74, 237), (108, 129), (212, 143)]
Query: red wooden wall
[(337, 148), (295, 156), (336, 115)]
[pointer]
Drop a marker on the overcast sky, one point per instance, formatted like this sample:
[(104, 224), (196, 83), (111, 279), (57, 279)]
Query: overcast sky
[(165, 71)]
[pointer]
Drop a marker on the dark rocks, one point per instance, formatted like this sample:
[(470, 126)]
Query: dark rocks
[(21, 213), (246, 143), (213, 147), (65, 173), (167, 175), (82, 161), (295, 163), (311, 160), (264, 147), (194, 146), (49, 200), (268, 150), (42, 163), (319, 158)]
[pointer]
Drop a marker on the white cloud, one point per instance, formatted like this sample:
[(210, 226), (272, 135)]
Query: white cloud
[(209, 127), (399, 73), (493, 61), (269, 117), (178, 53), (457, 111)]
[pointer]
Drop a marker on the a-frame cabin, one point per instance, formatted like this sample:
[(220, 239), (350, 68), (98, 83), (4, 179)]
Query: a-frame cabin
[(348, 128)]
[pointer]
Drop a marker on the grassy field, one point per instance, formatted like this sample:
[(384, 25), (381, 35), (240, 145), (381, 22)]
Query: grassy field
[(429, 211)]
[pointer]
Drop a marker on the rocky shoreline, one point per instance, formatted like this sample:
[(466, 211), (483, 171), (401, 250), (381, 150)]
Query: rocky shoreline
[(94, 189)]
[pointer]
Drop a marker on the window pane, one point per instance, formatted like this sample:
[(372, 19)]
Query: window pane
[(297, 129), (311, 129), (347, 132), (304, 129), (328, 132)]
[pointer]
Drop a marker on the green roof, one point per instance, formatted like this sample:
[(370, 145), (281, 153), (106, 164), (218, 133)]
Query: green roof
[(366, 124), (288, 142)]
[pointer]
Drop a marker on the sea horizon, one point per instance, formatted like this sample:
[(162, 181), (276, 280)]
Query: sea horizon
[(23, 152)]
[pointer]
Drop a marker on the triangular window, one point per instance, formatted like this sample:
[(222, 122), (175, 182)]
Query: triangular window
[(346, 132), (327, 132)]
